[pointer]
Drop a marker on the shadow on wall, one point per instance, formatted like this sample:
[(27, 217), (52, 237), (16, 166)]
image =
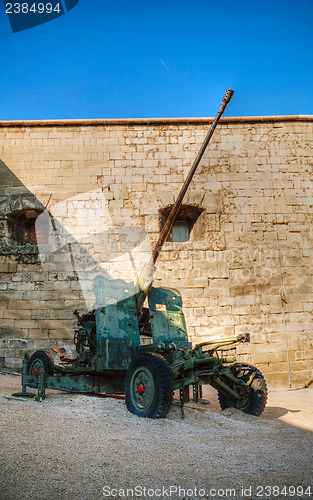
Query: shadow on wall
[(48, 261), (19, 209)]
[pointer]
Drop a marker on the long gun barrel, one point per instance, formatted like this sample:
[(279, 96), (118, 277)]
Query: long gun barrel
[(146, 277)]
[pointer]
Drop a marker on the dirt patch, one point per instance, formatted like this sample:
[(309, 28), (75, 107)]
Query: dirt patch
[(72, 446)]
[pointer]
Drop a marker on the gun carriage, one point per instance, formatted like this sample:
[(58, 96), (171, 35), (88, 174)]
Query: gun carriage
[(112, 359)]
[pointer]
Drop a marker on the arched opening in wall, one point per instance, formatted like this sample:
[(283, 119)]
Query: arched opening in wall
[(21, 226), (184, 222)]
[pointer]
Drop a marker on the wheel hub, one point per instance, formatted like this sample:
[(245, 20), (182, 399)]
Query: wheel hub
[(141, 389)]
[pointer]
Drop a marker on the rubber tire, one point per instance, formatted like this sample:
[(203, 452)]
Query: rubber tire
[(258, 393), (45, 358), (158, 369)]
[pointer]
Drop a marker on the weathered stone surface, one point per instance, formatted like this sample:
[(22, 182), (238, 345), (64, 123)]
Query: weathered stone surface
[(250, 248)]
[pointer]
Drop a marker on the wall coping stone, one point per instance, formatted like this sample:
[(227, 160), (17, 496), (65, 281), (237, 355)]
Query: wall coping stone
[(153, 121)]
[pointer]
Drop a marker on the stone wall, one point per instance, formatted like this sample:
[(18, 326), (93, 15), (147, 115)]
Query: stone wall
[(246, 268)]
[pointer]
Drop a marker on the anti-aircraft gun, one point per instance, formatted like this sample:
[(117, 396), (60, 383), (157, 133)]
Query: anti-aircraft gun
[(112, 358)]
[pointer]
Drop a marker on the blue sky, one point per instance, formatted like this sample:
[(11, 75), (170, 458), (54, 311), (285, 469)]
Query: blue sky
[(151, 58)]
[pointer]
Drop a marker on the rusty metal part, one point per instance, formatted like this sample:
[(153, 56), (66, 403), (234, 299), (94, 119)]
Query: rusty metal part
[(68, 361), (59, 350), (168, 224), (146, 277), (106, 395)]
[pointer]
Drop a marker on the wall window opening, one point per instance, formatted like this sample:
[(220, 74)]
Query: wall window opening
[(21, 225), (183, 224), (181, 231)]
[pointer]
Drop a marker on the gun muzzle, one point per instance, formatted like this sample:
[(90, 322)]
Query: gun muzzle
[(227, 97)]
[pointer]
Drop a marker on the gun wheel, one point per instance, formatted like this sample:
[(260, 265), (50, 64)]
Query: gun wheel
[(255, 402), (149, 386), (38, 361)]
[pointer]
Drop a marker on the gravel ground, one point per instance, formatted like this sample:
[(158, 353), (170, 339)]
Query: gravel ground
[(72, 446)]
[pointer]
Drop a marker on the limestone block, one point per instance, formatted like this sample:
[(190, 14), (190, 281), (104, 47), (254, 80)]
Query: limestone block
[(241, 310), (205, 223), (242, 300), (22, 324), (53, 324), (149, 205), (9, 333), (166, 198), (152, 223), (7, 324), (13, 363), (23, 314), (61, 333), (212, 203)]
